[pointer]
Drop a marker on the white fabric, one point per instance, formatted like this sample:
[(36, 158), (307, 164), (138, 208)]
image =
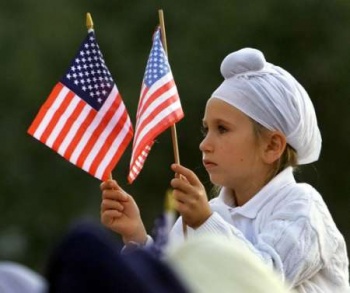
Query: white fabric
[(274, 98), (287, 225), (16, 278), (214, 263)]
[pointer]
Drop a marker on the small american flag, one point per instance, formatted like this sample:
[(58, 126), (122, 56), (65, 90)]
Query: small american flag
[(84, 118), (159, 105)]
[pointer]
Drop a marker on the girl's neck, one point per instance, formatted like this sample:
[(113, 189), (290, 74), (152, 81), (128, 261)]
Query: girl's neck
[(243, 195)]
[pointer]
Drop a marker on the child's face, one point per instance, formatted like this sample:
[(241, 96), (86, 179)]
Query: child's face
[(231, 152)]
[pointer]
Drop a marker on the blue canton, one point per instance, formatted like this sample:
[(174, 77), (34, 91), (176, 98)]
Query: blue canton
[(157, 65), (88, 76)]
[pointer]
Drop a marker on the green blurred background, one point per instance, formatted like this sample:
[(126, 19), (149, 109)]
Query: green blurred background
[(42, 194)]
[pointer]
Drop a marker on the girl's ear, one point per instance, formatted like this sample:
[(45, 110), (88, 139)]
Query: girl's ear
[(275, 145)]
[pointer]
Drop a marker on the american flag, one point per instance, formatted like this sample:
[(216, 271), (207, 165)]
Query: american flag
[(84, 118), (159, 105)]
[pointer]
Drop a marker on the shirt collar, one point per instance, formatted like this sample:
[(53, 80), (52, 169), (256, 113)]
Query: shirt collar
[(253, 206)]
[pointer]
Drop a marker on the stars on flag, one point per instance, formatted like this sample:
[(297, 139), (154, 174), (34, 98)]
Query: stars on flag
[(157, 66), (89, 75)]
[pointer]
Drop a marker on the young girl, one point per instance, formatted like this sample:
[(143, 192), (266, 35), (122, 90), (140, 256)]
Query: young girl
[(258, 125)]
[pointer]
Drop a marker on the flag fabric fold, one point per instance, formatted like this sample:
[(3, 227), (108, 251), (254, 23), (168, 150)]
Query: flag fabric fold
[(159, 105), (84, 118)]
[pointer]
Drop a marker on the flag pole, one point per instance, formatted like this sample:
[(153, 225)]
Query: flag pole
[(90, 26), (173, 127)]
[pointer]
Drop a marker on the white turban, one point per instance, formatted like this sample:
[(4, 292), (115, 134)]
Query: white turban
[(274, 98)]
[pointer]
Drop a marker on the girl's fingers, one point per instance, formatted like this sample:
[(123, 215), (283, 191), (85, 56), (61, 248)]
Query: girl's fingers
[(108, 217), (182, 207), (108, 204), (190, 176), (110, 184), (118, 195), (180, 184), (184, 197)]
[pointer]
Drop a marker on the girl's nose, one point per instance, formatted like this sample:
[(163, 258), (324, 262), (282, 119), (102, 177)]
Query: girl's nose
[(205, 145)]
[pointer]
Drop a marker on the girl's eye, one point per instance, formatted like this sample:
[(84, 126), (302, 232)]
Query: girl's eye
[(204, 130), (222, 129)]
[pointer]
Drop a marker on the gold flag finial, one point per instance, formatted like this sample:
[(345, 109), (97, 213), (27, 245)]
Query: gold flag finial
[(89, 22)]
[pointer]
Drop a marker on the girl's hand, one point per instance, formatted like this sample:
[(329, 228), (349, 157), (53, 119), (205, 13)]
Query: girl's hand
[(120, 213), (190, 197)]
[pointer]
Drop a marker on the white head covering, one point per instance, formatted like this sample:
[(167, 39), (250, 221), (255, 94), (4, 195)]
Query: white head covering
[(274, 98)]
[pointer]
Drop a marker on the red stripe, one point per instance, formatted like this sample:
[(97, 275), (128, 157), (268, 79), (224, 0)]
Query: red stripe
[(166, 121), (140, 106), (117, 155), (68, 125), (154, 132), (44, 108), (58, 114), (155, 95), (138, 168), (110, 139), (98, 131), (138, 151), (163, 124), (82, 128)]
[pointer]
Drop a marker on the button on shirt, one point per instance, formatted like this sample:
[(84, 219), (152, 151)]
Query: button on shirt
[(288, 225)]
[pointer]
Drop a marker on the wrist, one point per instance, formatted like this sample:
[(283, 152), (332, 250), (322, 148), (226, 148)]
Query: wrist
[(140, 237), (201, 221), (132, 246)]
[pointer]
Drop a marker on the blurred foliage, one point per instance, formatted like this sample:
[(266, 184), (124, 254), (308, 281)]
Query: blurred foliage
[(42, 194)]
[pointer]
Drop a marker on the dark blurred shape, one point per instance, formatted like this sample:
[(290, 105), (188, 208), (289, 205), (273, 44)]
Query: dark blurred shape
[(89, 260)]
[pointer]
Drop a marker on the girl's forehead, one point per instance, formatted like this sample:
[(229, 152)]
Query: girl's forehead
[(216, 107)]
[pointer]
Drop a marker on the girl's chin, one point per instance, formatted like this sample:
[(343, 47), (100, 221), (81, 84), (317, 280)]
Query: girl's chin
[(216, 180)]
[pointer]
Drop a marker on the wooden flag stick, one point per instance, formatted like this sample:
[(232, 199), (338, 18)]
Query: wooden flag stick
[(173, 127), (90, 26)]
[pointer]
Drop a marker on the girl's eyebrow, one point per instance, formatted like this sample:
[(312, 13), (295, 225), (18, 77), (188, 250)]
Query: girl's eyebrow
[(217, 121)]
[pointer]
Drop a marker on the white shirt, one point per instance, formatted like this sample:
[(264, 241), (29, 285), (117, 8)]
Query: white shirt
[(288, 225)]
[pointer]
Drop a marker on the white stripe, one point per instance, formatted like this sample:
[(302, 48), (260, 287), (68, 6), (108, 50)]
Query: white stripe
[(156, 120), (161, 99), (165, 96), (73, 130), (62, 121), (113, 150), (101, 141), (48, 117), (144, 153), (131, 176), (135, 169), (93, 125), (139, 163), (159, 83), (141, 101)]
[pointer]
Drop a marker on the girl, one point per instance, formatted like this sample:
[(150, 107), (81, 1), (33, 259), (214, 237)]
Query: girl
[(258, 125)]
